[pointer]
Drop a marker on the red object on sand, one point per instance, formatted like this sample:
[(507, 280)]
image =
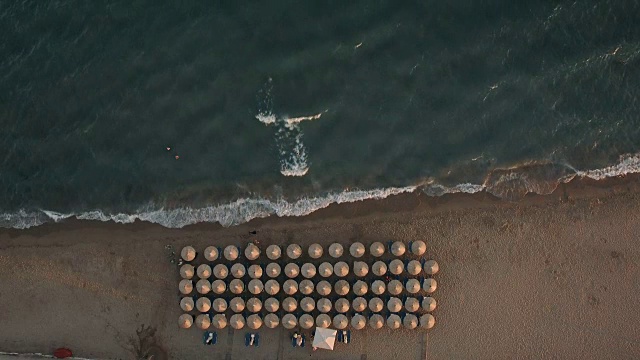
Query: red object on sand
[(62, 353)]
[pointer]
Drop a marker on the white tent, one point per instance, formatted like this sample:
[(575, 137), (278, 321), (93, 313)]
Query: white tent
[(325, 338)]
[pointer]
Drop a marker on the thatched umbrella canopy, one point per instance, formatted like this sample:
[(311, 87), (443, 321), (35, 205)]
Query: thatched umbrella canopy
[(203, 321), (342, 287), (307, 304), (413, 286), (431, 267), (360, 288), (220, 305), (271, 305), (185, 286), (376, 304), (219, 321), (185, 321), (292, 270), (414, 267), (306, 321), (359, 304), (237, 305), (410, 321), (271, 287), (203, 304), (429, 285), (306, 287), (325, 269), (238, 270), (336, 250), (221, 271), (251, 252), (255, 271), (394, 305), (315, 251), (231, 252), (273, 270), (254, 321), (376, 249), (289, 321), (396, 267), (412, 304), (254, 305), (204, 271), (378, 287), (358, 322), (211, 253), (341, 269), (290, 287), (289, 304), (429, 303), (203, 286), (323, 305), (186, 303), (356, 249), (341, 305), (188, 253), (418, 247), (323, 288), (255, 286), (360, 268), (236, 286), (271, 321), (186, 271), (323, 321), (294, 251), (398, 248), (308, 270), (379, 268), (427, 321), (393, 321), (340, 321), (274, 252), (376, 321), (394, 287), (237, 321), (218, 286)]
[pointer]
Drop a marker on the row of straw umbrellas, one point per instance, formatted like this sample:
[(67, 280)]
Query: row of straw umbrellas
[(307, 287), (306, 321), (307, 304), (308, 270), (315, 251)]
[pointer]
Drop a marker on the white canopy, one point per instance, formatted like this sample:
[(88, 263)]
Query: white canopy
[(324, 338), (274, 252), (211, 253)]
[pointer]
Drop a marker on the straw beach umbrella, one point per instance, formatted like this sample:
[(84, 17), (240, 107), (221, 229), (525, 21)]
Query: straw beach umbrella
[(237, 305), (323, 288), (315, 251), (342, 305), (410, 321), (398, 248), (255, 271), (185, 286), (396, 267), (394, 305), (203, 304), (203, 321), (376, 249), (188, 253), (411, 304), (414, 267), (323, 321), (431, 267), (251, 252), (360, 288), (306, 321), (376, 304), (203, 286), (307, 304), (219, 305), (186, 271), (429, 303), (290, 287), (394, 287), (379, 268), (289, 304), (294, 251), (376, 321), (219, 321), (323, 305), (289, 321), (341, 269), (358, 322), (254, 321), (221, 271), (427, 321), (359, 304), (325, 269), (393, 321), (271, 287), (231, 252), (204, 271), (238, 270), (236, 286), (271, 305), (418, 247), (185, 321), (254, 305), (218, 286), (360, 268), (271, 321), (340, 321), (255, 286), (429, 285), (356, 249), (274, 252), (237, 321), (292, 270), (273, 270), (211, 253), (336, 250), (306, 287), (342, 287), (413, 286), (308, 270), (186, 303), (378, 287)]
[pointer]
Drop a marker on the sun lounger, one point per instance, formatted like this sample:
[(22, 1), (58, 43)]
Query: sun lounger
[(339, 336), (348, 336), (256, 341)]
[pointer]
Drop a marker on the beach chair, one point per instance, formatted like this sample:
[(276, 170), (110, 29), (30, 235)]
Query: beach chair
[(304, 338), (215, 338), (389, 245), (256, 341), (340, 337), (348, 336)]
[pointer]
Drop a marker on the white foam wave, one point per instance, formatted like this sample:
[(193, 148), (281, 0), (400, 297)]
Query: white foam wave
[(266, 118), (628, 164), (291, 122)]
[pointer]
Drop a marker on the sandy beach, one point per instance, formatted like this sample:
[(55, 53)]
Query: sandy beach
[(553, 276)]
